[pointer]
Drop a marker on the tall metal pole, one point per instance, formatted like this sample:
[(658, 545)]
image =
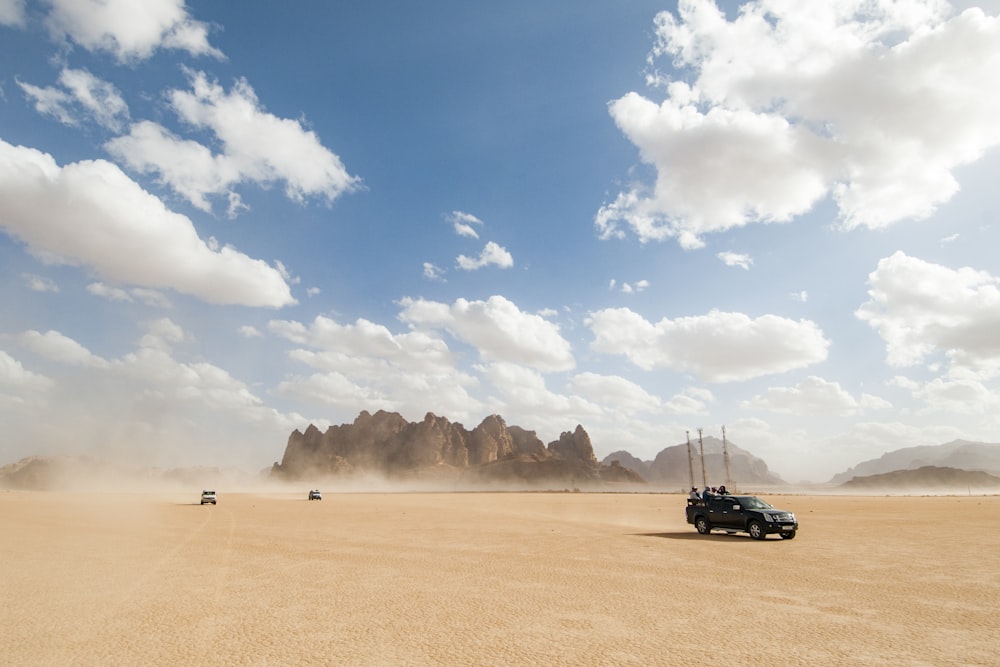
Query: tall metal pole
[(725, 457), (701, 447), (690, 459)]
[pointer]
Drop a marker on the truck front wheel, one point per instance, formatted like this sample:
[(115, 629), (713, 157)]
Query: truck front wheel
[(790, 535), (755, 530), (703, 526)]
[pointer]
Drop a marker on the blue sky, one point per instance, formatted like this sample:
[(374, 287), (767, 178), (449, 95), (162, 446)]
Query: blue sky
[(220, 224)]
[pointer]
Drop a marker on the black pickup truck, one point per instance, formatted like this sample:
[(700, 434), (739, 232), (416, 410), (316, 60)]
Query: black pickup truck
[(741, 514)]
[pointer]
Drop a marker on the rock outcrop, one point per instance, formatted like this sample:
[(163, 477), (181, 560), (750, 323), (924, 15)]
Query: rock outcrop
[(435, 448), (575, 446)]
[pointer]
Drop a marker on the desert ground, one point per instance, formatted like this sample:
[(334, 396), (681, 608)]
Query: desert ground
[(269, 578)]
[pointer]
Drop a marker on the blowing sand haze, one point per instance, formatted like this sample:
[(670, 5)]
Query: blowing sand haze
[(492, 579)]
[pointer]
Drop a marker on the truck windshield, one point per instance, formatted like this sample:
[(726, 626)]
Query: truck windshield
[(753, 503)]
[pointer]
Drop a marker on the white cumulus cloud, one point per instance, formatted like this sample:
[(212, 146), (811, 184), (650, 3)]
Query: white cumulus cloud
[(920, 308), (873, 103), (492, 255), (959, 395), (57, 347), (364, 366), (615, 392), (814, 396), (717, 347), (497, 328), (129, 30), (15, 376), (90, 213)]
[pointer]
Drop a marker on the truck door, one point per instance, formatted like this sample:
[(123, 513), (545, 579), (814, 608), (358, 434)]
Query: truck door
[(721, 513)]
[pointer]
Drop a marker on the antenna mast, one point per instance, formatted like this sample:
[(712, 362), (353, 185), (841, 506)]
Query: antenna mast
[(690, 459), (725, 457), (701, 448)]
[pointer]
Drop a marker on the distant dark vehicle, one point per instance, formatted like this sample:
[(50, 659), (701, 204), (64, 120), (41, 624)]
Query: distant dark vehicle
[(207, 497), (315, 495), (741, 514)]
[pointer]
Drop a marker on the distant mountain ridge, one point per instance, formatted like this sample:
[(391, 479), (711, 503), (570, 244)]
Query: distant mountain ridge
[(670, 467), (960, 454), (386, 444), (926, 478), (491, 452)]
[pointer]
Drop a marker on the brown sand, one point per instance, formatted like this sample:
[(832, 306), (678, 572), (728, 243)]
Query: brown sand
[(492, 579)]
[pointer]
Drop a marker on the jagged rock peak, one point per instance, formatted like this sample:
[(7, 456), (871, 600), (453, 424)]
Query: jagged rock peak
[(575, 445), (386, 443)]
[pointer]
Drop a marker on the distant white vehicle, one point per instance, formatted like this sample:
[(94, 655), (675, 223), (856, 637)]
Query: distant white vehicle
[(314, 494), (207, 497)]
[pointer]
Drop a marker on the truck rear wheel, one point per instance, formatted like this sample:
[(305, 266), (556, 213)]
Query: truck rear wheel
[(755, 530), (703, 526)]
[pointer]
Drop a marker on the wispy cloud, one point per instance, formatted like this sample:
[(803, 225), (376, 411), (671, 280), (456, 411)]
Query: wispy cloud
[(82, 96), (133, 294), (248, 331), (628, 288), (257, 147), (12, 12), (433, 272), (463, 223), (39, 283), (735, 259)]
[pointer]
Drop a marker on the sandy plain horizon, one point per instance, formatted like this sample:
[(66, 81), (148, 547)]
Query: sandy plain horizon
[(269, 578)]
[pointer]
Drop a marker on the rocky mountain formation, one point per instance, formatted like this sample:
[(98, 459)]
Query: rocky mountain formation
[(671, 468), (960, 454), (927, 479), (437, 449), (492, 453)]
